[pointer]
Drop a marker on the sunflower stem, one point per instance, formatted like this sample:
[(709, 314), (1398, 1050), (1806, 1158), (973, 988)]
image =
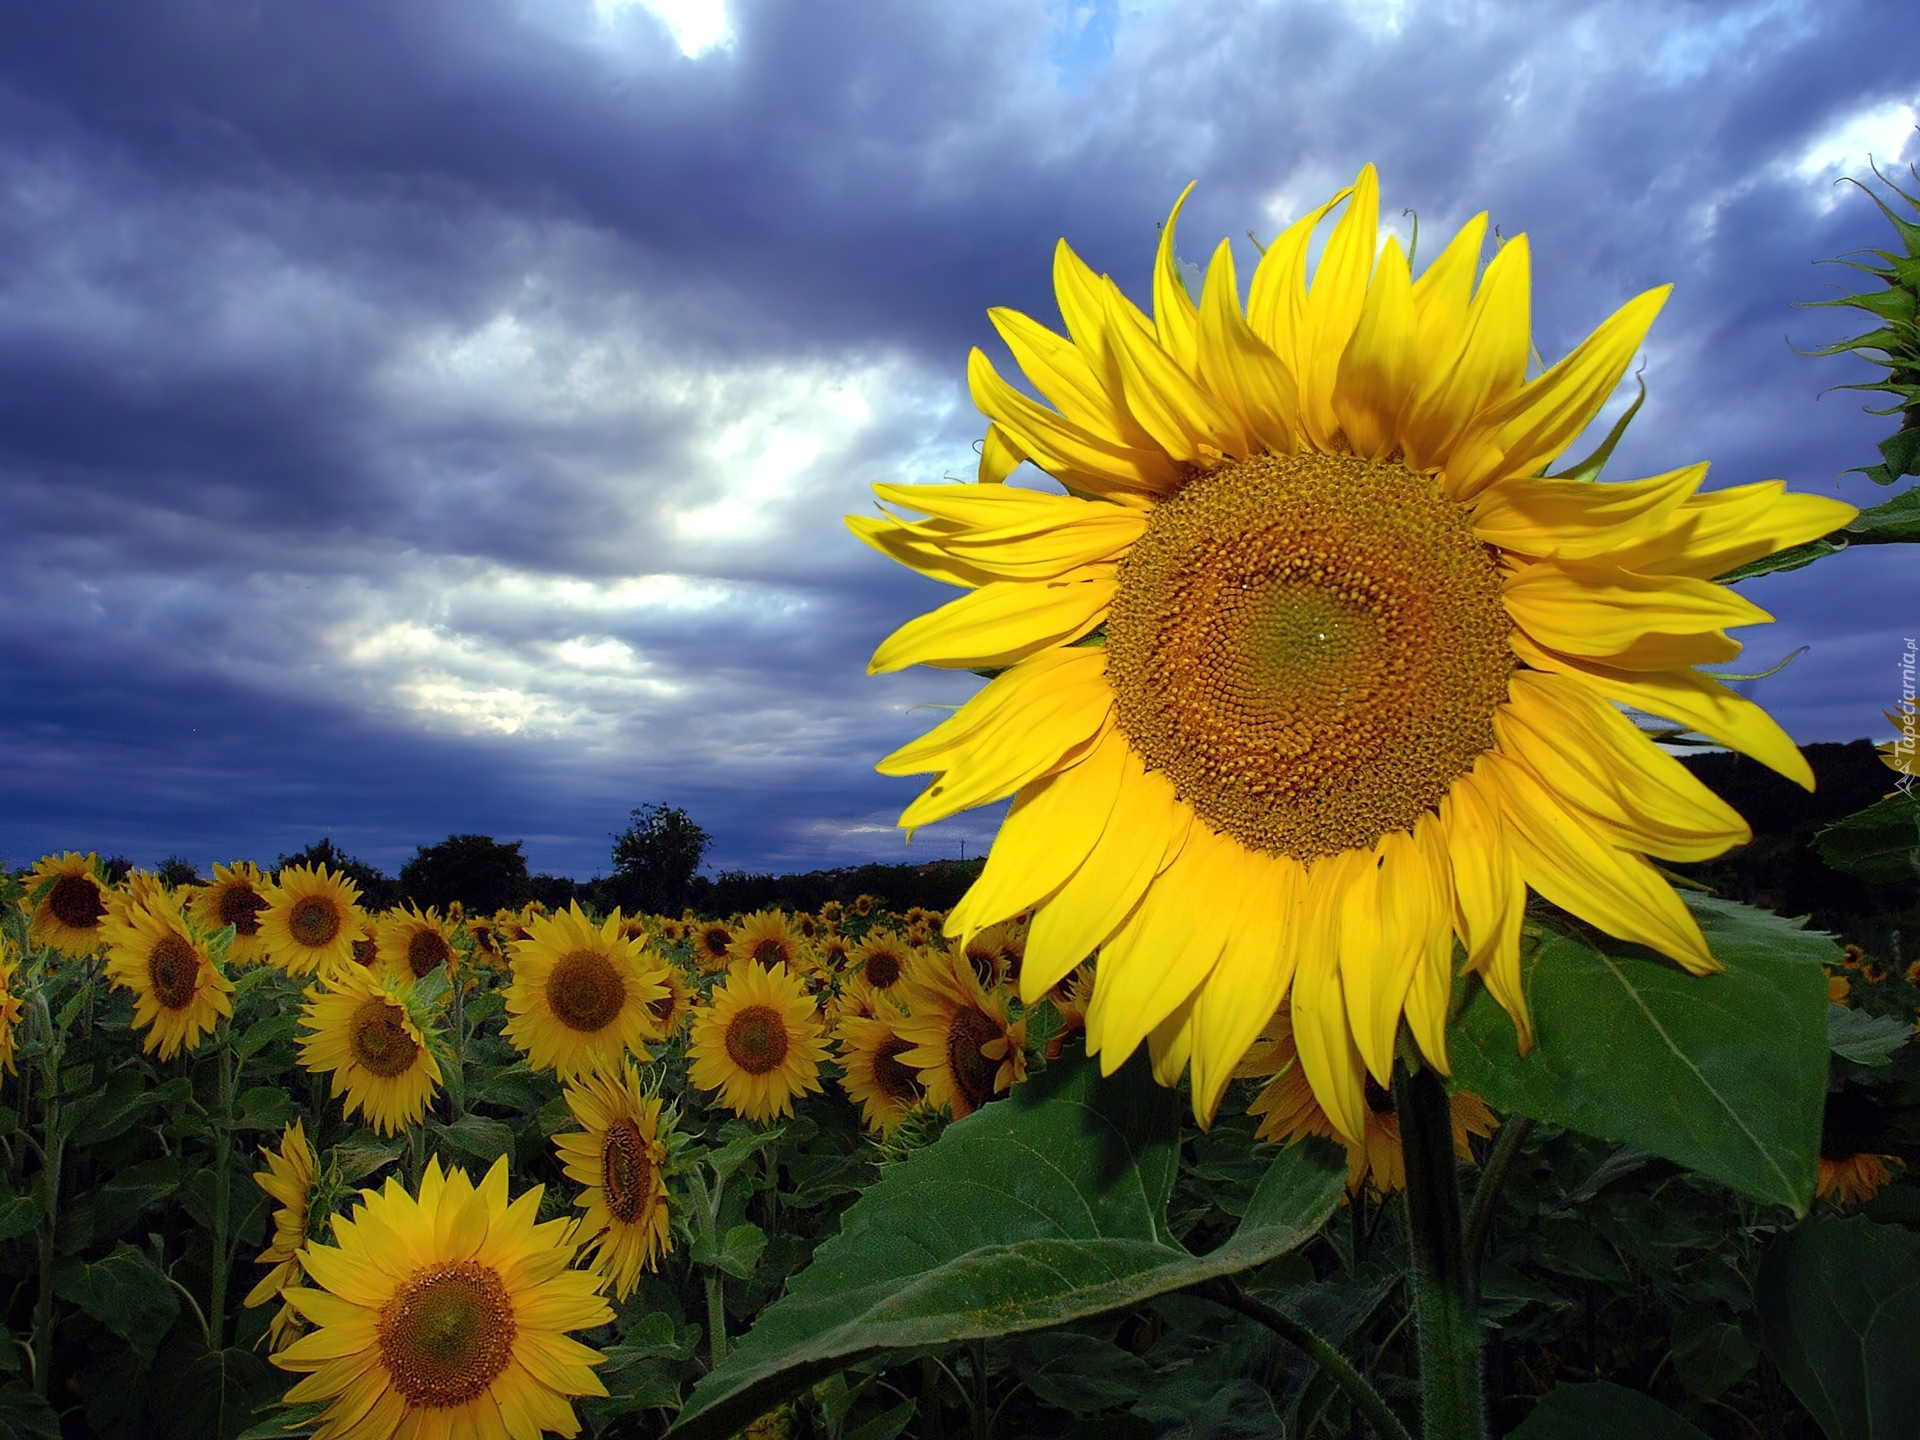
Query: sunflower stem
[(52, 1148), (1506, 1149), (1445, 1311), (216, 1318)]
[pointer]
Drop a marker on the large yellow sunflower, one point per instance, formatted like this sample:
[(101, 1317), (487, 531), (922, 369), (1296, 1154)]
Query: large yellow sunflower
[(581, 993), (712, 946), (179, 994), (289, 1179), (1312, 666), (411, 945), (446, 1316), (756, 1042), (1288, 1112), (876, 1078), (768, 938), (66, 901), (11, 1007), (377, 1044), (962, 1045), (312, 918), (619, 1157), (235, 896)]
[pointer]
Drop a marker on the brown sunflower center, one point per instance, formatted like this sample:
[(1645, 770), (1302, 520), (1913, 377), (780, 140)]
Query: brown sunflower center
[(314, 920), (663, 1008), (1311, 647), (240, 907), (973, 1072), (446, 1333), (757, 1039), (75, 902), (427, 949), (899, 1083), (377, 1035), (584, 991), (626, 1172), (172, 970), (984, 957), (883, 970), (770, 953), (716, 940), (365, 951)]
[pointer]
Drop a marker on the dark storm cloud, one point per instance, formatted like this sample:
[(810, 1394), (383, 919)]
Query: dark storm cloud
[(430, 417)]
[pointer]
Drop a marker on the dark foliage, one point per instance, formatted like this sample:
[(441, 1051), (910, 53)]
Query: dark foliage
[(377, 889), (656, 860), (481, 873), (935, 886)]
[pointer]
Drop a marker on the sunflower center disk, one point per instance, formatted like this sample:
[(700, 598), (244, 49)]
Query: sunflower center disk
[(897, 1082), (626, 1172), (973, 1072), (381, 1044), (173, 968), (757, 1039), (240, 907), (426, 950), (75, 902), (584, 991), (313, 921), (883, 971), (771, 954), (1311, 647), (446, 1333)]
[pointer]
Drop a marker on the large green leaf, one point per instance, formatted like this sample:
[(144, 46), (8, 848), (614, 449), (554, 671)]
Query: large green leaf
[(1602, 1409), (1840, 1312), (1043, 1208), (126, 1292), (1725, 1074), (1880, 844)]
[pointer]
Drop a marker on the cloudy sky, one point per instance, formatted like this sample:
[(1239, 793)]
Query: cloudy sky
[(428, 417)]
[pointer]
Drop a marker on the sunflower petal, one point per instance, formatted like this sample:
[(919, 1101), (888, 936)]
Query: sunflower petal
[(1056, 443), (1585, 607), (1578, 520), (999, 457), (1333, 307), (1247, 984), (1174, 321), (1000, 624), (1054, 733), (1712, 534), (1145, 831), (1490, 895), (1236, 364), (1061, 373), (1176, 410), (1520, 435), (1697, 701), (1491, 365), (1431, 935), (1580, 872), (1443, 297), (1170, 1043), (1378, 370), (1277, 298), (995, 705), (1328, 1057)]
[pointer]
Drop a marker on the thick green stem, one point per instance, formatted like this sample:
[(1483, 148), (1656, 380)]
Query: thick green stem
[(716, 1319), (982, 1415), (1339, 1369), (222, 1188), (1506, 1150), (1445, 1312), (457, 1094)]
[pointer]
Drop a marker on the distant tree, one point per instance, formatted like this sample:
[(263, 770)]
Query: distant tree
[(655, 859), (556, 892), (118, 867), (482, 873), (377, 889), (177, 870)]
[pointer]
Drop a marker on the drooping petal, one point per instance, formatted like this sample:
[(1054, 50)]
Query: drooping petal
[(1490, 896), (1252, 975), (1574, 868), (1586, 607), (1060, 728), (997, 704), (1065, 376), (999, 457), (1579, 520), (1697, 701), (1057, 445), (1431, 990), (1328, 1057), (1714, 533), (1000, 624)]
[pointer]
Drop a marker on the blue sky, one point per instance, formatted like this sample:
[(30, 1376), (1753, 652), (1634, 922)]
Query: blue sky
[(420, 417)]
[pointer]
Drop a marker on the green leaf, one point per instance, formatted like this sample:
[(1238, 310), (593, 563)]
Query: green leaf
[(1865, 1039), (1080, 1373), (1894, 520), (1046, 1207), (126, 1292), (1880, 844), (25, 1416), (202, 1394), (286, 1423), (476, 1137), (1709, 1354), (264, 1107), (1724, 1074), (18, 1216), (359, 1158), (737, 1253), (1840, 1314), (1585, 1412), (113, 1109), (884, 1426), (1794, 557), (263, 1033), (120, 1199)]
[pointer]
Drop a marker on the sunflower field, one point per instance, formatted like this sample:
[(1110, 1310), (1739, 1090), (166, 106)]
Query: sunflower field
[(1408, 994)]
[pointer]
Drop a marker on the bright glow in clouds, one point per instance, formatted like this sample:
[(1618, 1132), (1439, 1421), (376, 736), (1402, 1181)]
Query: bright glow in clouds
[(1881, 133), (697, 26)]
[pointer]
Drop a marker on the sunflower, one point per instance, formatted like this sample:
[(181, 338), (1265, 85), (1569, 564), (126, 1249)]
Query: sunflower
[(881, 961), (1853, 1131), (757, 1043), (312, 918), (712, 946), (963, 1047), (619, 1157), (446, 1315), (1289, 1111), (833, 914), (66, 901), (863, 905), (995, 953), (1838, 988), (412, 945), (289, 1178), (235, 896), (179, 994), (11, 1007), (1070, 998), (375, 1040), (487, 953), (1849, 1180), (768, 938), (670, 1011), (835, 953), (580, 993), (366, 943), (876, 1079), (1311, 665)]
